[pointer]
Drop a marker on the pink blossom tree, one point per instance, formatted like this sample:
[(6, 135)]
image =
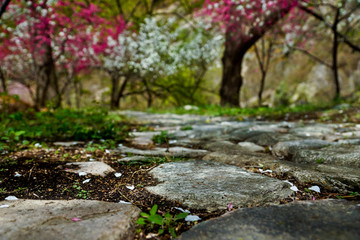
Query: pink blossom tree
[(244, 22), (45, 40)]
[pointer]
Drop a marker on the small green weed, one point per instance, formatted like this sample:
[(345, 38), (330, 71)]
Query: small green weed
[(80, 193), (166, 223), (186, 128), (355, 194), (2, 190), (319, 160), (161, 138)]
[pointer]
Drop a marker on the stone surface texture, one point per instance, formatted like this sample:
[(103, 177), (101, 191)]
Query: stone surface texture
[(327, 220), (212, 186), (47, 219), (94, 168)]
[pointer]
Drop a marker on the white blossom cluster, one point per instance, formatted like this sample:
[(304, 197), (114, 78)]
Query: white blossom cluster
[(159, 50)]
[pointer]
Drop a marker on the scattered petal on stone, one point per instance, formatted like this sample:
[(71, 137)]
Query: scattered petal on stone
[(92, 159), (182, 210), (307, 134), (121, 201), (11, 198), (130, 187), (313, 198), (88, 155), (315, 189), (118, 174), (17, 174), (82, 174), (4, 206), (230, 207), (294, 188), (37, 145), (107, 151), (262, 171), (86, 181), (120, 145), (76, 219), (192, 218), (172, 141)]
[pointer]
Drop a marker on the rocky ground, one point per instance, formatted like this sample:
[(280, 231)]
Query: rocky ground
[(238, 179)]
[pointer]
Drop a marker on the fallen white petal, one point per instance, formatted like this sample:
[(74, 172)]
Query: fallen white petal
[(172, 141), (121, 201), (120, 145), (86, 181), (17, 174), (107, 151), (291, 184), (37, 145), (92, 159), (315, 189), (82, 174), (262, 171), (151, 235), (130, 187), (4, 206), (182, 210), (294, 188), (118, 174), (88, 155), (192, 218), (11, 198), (307, 134)]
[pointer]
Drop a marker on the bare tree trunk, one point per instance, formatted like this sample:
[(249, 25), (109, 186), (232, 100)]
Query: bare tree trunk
[(3, 81), (334, 55), (114, 90), (3, 7), (47, 87), (231, 78)]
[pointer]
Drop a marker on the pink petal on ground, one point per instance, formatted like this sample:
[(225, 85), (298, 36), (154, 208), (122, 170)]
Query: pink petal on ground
[(76, 219)]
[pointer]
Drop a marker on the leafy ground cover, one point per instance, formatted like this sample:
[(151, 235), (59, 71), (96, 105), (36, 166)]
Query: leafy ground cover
[(23, 130)]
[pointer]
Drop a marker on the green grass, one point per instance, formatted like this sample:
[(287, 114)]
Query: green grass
[(22, 130)]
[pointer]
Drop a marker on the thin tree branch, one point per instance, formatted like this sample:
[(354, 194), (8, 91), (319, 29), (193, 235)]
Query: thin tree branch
[(3, 7)]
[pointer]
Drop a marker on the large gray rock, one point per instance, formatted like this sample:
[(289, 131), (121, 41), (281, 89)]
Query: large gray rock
[(48, 219), (332, 178), (289, 148), (327, 220), (263, 138), (212, 186), (340, 155), (241, 159)]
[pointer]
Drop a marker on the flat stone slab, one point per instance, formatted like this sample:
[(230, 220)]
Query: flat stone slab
[(94, 168), (60, 219), (212, 186), (339, 155), (68, 144), (326, 219), (161, 152), (143, 138)]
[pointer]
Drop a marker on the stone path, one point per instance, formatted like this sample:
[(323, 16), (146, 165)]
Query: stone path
[(218, 151)]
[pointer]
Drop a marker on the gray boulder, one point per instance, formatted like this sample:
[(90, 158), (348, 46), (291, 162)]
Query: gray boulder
[(327, 220)]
